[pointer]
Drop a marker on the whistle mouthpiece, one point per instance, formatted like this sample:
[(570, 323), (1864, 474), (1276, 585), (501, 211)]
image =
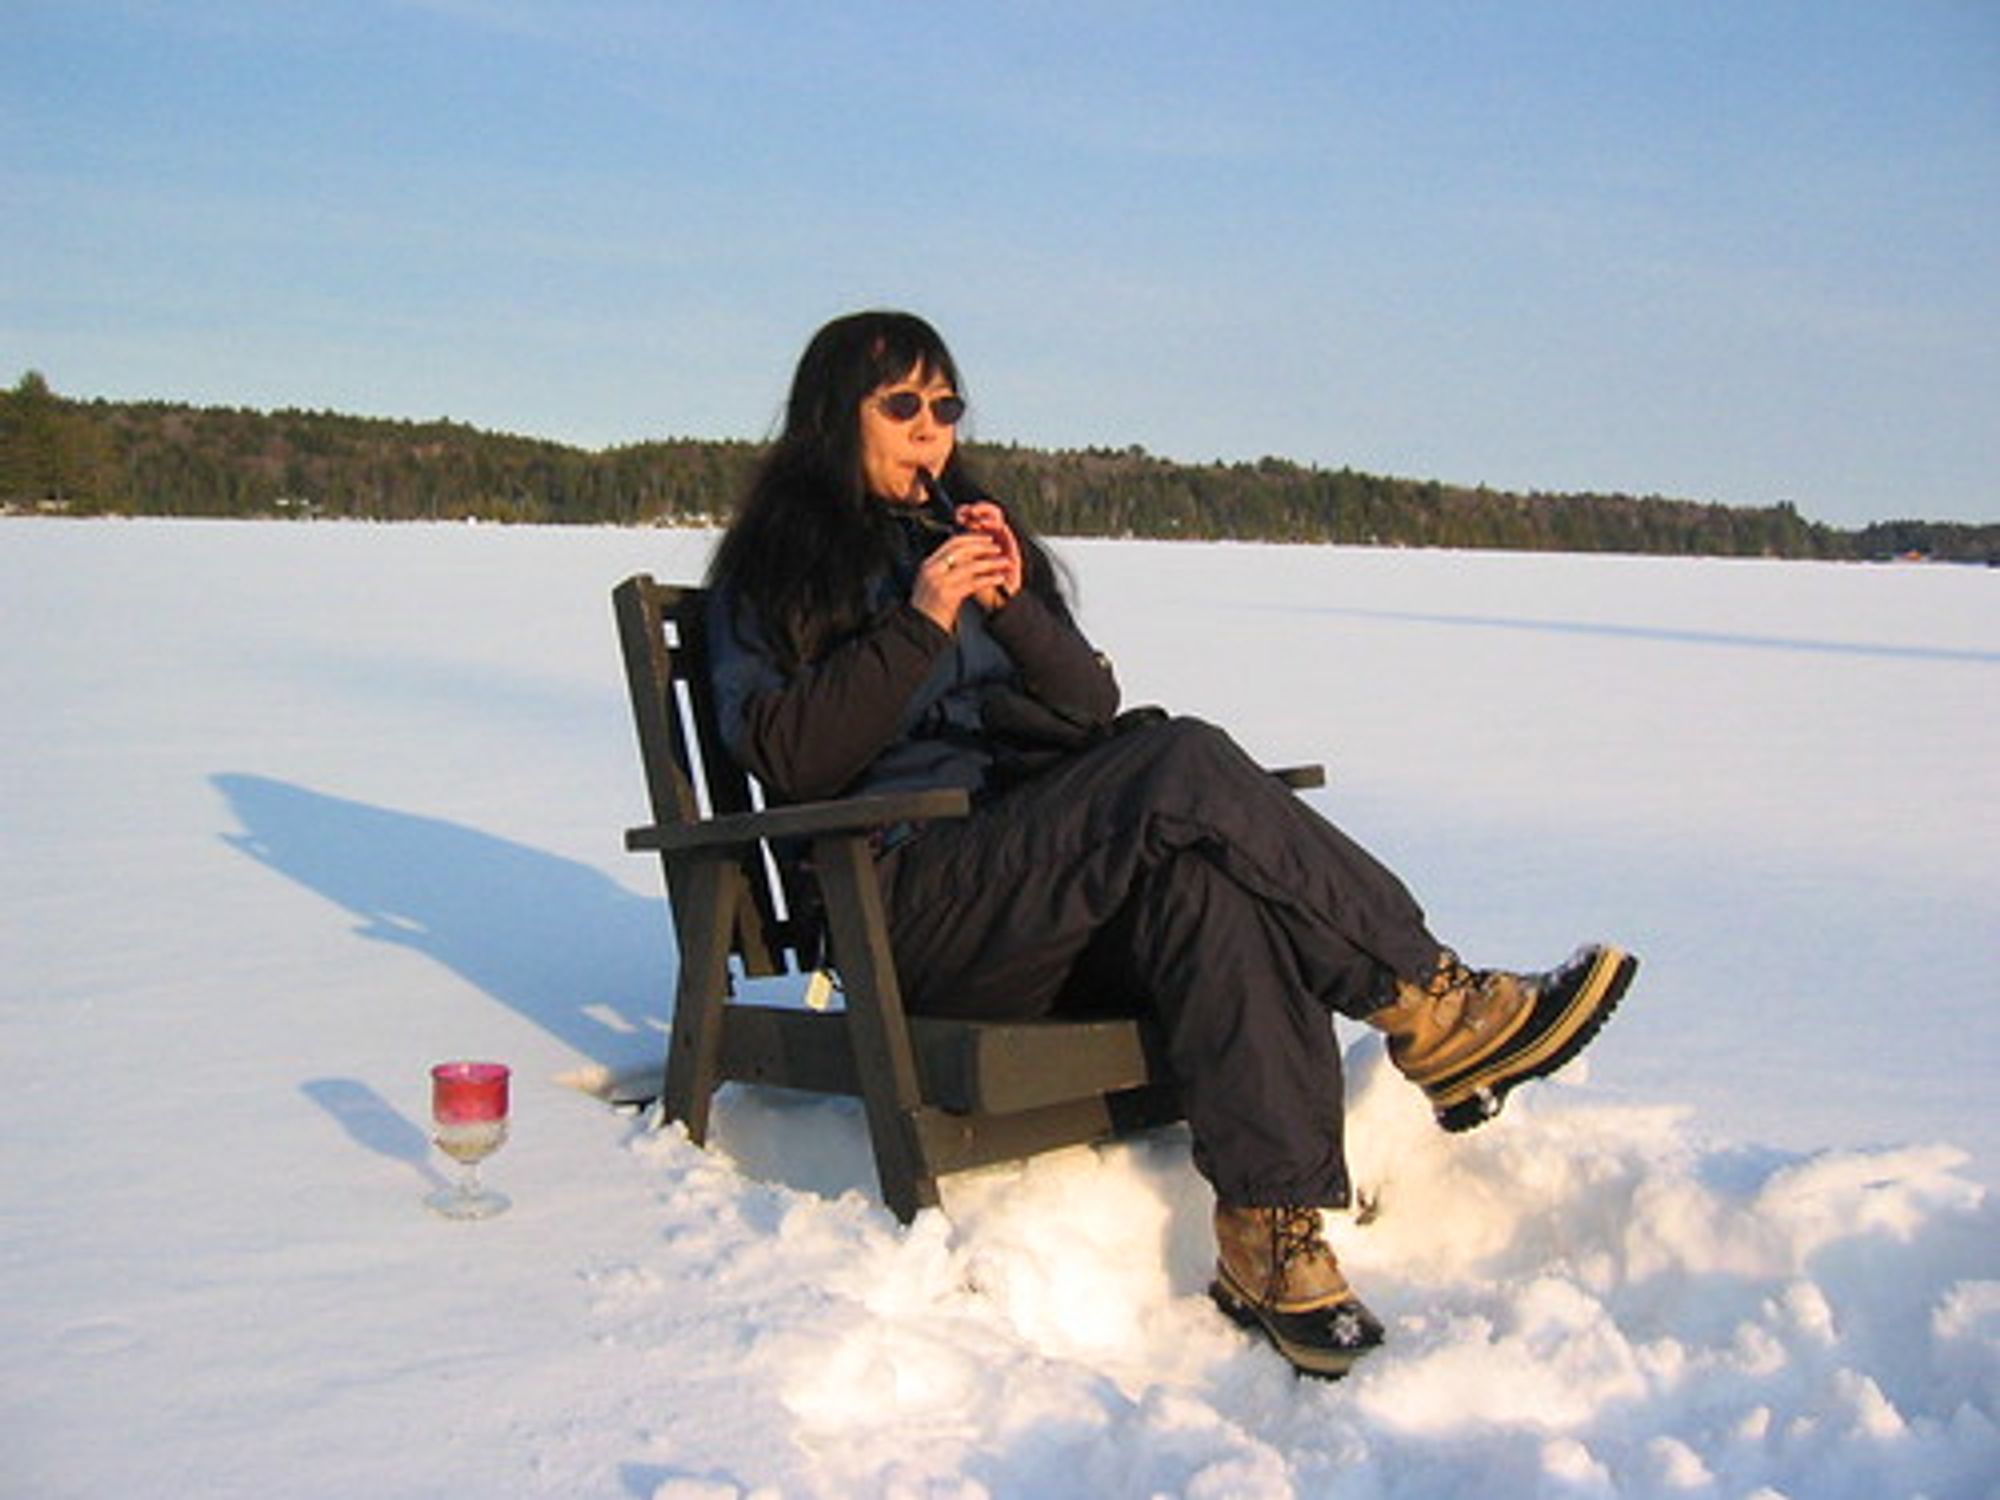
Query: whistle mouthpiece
[(937, 503)]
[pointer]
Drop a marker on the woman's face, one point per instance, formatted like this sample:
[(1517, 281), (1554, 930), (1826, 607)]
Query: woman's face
[(892, 451)]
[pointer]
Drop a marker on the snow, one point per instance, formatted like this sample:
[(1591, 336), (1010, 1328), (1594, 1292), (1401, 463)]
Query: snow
[(292, 811)]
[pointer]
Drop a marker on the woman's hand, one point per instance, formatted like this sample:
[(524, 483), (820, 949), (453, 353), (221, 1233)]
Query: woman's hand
[(969, 565), (984, 518)]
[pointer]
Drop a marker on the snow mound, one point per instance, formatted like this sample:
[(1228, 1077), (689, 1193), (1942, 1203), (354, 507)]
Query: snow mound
[(1581, 1301)]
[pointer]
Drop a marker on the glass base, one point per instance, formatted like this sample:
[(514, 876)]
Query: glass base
[(456, 1204)]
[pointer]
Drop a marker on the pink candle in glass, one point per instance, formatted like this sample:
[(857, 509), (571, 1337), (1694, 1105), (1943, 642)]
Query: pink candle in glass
[(469, 1091)]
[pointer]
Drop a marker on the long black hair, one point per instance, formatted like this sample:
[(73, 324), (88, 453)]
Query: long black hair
[(807, 537)]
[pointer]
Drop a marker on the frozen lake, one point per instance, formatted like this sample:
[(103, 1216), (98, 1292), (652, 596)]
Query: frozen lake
[(291, 811)]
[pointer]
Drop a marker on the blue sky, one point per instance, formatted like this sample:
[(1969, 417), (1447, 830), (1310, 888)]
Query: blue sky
[(1742, 252)]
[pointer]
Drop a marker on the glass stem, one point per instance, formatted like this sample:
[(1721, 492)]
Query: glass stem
[(468, 1181)]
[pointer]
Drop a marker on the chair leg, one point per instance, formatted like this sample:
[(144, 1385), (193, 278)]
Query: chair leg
[(882, 1053), (704, 908)]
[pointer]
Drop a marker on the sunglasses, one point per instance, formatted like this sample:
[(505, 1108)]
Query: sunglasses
[(903, 406)]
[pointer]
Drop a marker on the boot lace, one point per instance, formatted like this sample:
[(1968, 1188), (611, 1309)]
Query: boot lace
[(1295, 1236), (1471, 1000), (1451, 987)]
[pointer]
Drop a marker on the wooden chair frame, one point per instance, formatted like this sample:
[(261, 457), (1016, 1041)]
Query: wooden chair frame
[(940, 1096)]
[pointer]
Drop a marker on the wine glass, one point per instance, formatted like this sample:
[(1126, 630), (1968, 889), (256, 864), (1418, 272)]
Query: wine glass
[(469, 1123)]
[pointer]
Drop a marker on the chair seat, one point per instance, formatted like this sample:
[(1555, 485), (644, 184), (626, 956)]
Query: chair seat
[(990, 1067), (963, 1067)]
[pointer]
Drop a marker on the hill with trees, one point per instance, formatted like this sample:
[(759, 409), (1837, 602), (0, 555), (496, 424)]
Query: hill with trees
[(157, 458)]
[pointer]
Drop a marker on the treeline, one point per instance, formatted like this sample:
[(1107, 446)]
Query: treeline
[(155, 458)]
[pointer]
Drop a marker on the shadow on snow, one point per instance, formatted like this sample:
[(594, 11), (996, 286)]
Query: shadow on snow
[(554, 939)]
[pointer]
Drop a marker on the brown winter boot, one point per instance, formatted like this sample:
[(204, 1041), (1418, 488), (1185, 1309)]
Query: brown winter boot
[(1466, 1037), (1274, 1271)]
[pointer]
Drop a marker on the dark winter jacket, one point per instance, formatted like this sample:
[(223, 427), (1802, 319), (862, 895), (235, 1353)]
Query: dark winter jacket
[(903, 704)]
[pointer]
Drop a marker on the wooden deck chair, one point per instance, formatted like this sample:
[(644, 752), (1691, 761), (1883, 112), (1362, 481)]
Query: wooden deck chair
[(940, 1096)]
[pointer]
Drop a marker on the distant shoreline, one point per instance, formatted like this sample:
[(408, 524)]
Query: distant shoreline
[(11, 512), (73, 457)]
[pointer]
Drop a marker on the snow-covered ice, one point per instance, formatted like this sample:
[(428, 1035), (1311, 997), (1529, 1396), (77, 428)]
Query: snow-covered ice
[(290, 812)]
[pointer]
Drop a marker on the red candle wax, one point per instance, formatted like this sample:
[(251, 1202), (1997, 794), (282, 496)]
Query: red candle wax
[(469, 1091)]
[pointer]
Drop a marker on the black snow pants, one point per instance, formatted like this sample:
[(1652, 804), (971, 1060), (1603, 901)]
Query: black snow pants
[(1165, 867)]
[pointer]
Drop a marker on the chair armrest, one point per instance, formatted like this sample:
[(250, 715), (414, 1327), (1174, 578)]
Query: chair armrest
[(1301, 778), (857, 815)]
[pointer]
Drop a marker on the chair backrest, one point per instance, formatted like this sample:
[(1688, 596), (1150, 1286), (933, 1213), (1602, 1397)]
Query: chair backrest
[(690, 775)]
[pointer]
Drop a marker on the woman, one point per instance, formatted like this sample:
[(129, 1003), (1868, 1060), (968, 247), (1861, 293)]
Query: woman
[(868, 634)]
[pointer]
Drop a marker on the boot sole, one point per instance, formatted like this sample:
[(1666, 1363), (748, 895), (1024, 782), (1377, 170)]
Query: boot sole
[(1580, 1011), (1315, 1360)]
